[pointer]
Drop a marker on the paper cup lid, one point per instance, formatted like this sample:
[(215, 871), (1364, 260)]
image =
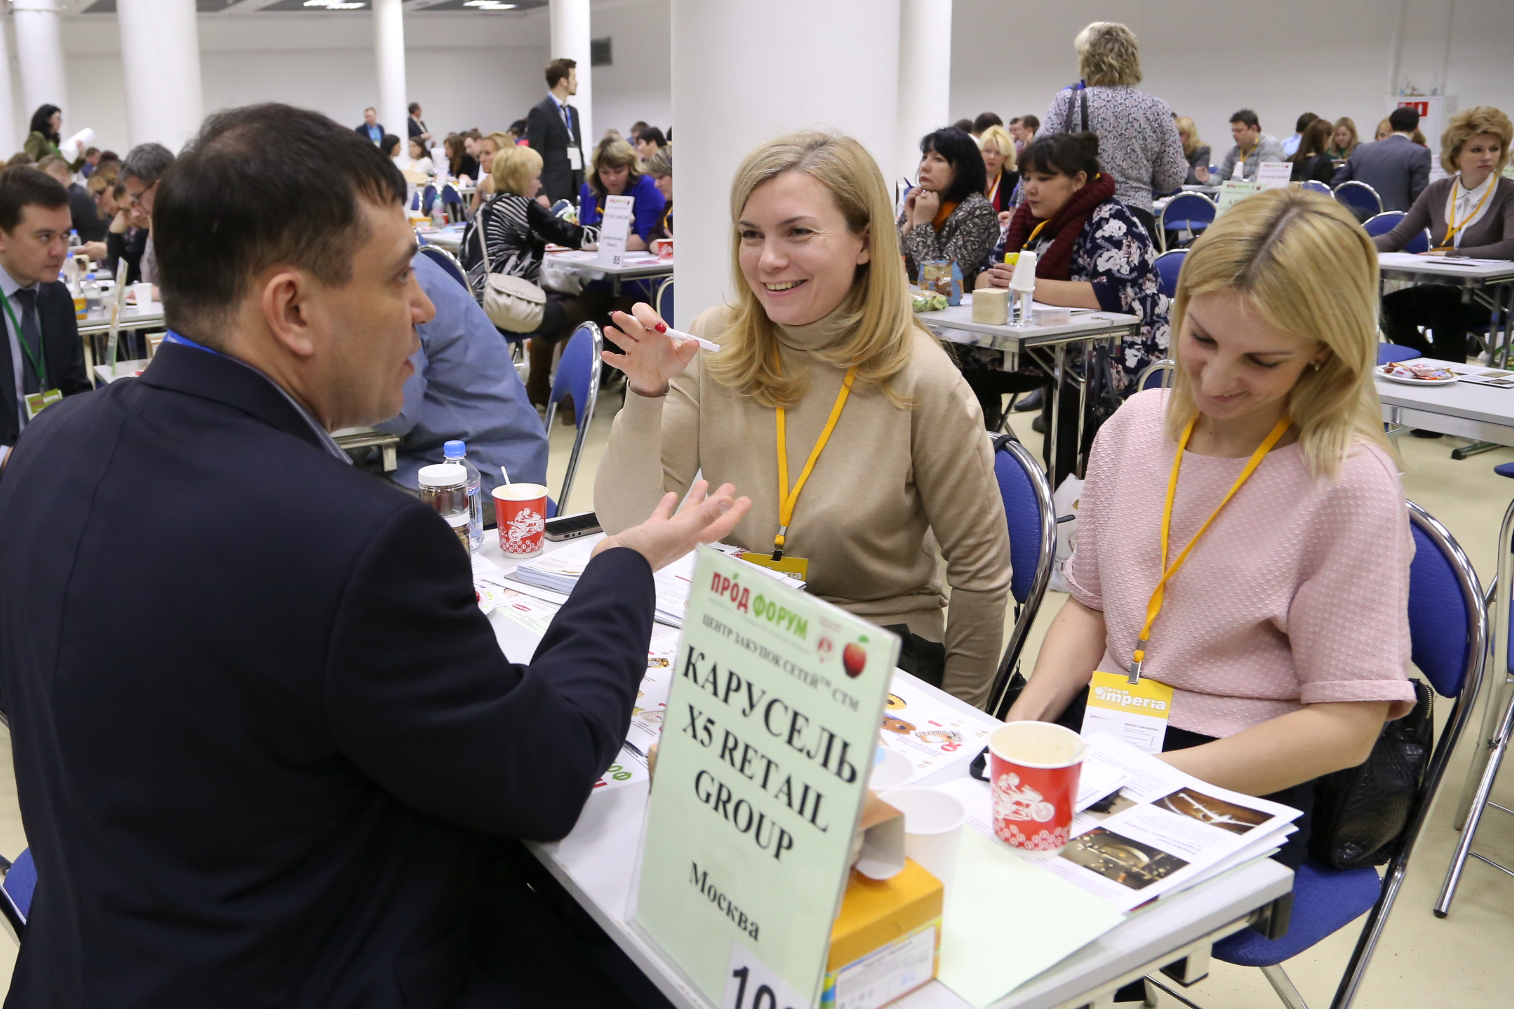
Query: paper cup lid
[(442, 475)]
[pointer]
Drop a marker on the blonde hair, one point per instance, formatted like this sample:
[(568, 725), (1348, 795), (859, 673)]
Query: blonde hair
[(877, 312), (1469, 123), (1185, 125), (513, 170), (1311, 270), (1108, 54), (1002, 141), (613, 152), (1349, 124), (501, 141)]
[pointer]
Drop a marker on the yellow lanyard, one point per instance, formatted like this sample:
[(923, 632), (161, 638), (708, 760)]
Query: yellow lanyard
[(994, 189), (1452, 227), (1157, 594), (788, 498), (1248, 153), (1037, 230)]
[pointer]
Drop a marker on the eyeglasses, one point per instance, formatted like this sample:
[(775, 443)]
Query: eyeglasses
[(132, 199)]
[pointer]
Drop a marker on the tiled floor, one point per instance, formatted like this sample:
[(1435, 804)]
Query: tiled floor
[(1461, 962)]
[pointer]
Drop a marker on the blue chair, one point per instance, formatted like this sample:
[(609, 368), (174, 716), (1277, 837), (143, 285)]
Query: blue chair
[(1381, 224), (1169, 264), (1032, 520), (1158, 375), (451, 198), (577, 376), (16, 889), (1389, 352), (1419, 243), (1448, 628), (1316, 185), (428, 198), (1359, 198), (447, 261), (1190, 212), (664, 301)]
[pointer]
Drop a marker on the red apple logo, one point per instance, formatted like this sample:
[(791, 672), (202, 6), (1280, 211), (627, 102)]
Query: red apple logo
[(853, 659)]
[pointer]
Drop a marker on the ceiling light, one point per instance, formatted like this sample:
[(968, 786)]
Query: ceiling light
[(489, 5)]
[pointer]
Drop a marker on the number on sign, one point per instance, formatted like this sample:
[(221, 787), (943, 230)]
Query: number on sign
[(763, 998)]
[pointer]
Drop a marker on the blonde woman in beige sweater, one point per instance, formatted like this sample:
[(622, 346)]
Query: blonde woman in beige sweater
[(821, 337)]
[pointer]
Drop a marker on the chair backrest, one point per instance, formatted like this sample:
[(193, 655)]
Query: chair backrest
[(16, 890), (1187, 209), (1388, 352), (428, 199), (448, 262), (1381, 224), (577, 376), (664, 306), (1169, 264), (1448, 624), (450, 195), (1419, 243), (1359, 198), (1316, 185), (1032, 521), (1158, 375)]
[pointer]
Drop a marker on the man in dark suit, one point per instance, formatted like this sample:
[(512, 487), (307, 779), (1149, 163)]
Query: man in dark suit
[(417, 126), (370, 127), (1397, 167), (45, 358), (263, 734), (553, 131)]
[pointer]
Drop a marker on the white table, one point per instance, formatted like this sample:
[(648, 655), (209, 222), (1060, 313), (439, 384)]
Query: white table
[(1044, 345), (132, 317), (1461, 409), (596, 864), (640, 266), (349, 438), (449, 238)]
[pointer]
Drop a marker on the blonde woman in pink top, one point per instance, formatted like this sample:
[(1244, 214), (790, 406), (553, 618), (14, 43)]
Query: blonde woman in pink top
[(1284, 634)]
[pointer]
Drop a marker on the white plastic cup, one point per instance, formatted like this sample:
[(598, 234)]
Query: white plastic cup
[(932, 829), (142, 294), (1024, 278), (890, 770)]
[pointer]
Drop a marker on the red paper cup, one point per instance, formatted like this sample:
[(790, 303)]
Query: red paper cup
[(662, 248), (520, 512), (1036, 766)]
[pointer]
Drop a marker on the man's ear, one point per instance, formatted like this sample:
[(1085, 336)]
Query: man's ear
[(286, 310)]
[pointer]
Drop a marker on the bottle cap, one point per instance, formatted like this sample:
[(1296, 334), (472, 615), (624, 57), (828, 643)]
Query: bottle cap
[(90, 275), (1024, 278), (442, 475), (454, 449)]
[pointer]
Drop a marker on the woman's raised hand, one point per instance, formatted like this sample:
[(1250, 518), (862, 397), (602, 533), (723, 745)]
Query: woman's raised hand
[(651, 358)]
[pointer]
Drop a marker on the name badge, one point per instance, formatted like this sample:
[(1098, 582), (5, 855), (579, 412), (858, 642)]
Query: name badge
[(797, 568), (1135, 713), (575, 159), (38, 401)]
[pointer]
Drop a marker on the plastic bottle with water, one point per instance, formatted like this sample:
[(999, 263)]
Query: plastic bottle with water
[(457, 452), (74, 241), (94, 301)]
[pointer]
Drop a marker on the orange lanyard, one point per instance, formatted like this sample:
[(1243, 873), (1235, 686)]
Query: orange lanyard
[(1158, 594), (1034, 232), (787, 498), (1451, 226), (994, 189)]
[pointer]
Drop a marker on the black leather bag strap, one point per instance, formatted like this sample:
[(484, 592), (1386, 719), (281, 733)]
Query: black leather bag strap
[(1083, 102)]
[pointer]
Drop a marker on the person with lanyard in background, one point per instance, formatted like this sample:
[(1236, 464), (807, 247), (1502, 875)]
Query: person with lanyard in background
[(45, 357), (946, 216), (1252, 147), (1343, 140), (660, 168), (1243, 545), (617, 171), (554, 131), (859, 443), (1396, 167), (370, 127), (999, 165), (1470, 214)]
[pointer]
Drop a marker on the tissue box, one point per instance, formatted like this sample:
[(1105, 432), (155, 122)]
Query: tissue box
[(886, 941), (990, 306)]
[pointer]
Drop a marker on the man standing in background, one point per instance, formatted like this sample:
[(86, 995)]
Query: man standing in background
[(417, 126), (552, 128), (370, 127)]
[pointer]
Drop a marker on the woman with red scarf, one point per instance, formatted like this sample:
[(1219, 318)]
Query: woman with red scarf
[(1090, 253)]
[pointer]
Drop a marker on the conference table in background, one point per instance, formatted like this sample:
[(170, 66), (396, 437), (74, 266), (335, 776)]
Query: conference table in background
[(596, 864), (1046, 346), (634, 266), (131, 318)]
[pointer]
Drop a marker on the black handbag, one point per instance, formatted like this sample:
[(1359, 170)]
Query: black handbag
[(1361, 813)]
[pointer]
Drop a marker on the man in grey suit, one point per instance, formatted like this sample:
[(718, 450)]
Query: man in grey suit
[(552, 129), (1397, 167)]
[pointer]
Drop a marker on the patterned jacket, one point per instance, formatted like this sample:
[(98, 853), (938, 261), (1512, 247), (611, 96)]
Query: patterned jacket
[(1138, 141), (964, 238)]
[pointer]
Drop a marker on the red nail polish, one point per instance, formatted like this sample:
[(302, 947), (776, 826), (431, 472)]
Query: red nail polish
[(661, 327)]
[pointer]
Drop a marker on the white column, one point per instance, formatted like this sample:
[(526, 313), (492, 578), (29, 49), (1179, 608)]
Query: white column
[(10, 136), (744, 73), (570, 41), (160, 57), (389, 48), (925, 76), (40, 50)]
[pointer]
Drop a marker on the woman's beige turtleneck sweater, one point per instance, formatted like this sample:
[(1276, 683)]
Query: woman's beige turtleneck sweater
[(888, 480)]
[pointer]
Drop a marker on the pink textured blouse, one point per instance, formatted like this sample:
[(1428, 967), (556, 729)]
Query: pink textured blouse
[(1298, 593)]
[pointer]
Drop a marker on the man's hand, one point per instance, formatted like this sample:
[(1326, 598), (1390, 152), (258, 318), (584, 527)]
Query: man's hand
[(665, 537)]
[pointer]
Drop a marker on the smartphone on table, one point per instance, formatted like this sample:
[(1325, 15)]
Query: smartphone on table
[(570, 527)]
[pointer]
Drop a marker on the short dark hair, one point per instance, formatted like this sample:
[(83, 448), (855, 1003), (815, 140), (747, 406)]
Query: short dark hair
[(41, 123), (262, 186), (91, 150), (519, 127), (1016, 119), (652, 135), (961, 152), (965, 125), (25, 187), (53, 161), (1403, 119), (1063, 154), (1031, 123), (557, 70), (146, 162), (390, 145), (1246, 118), (1304, 121), (985, 120), (414, 108)]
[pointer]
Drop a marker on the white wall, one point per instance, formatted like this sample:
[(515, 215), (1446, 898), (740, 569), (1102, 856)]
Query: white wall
[(1281, 59), (639, 84)]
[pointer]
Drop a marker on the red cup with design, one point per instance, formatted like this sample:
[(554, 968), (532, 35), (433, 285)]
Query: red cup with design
[(1035, 770), (662, 248), (520, 512)]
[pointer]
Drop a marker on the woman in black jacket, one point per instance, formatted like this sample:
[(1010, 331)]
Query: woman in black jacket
[(1312, 159)]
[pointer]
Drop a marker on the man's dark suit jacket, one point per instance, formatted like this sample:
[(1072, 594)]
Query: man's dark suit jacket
[(1397, 167), (416, 127), (549, 137), (61, 349), (261, 729), (362, 129)]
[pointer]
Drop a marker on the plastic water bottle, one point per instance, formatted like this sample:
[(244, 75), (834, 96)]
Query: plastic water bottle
[(94, 301), (457, 452), (74, 241), (438, 214)]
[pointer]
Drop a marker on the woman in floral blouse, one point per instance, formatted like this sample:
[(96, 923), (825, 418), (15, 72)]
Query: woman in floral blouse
[(946, 216), (1090, 253)]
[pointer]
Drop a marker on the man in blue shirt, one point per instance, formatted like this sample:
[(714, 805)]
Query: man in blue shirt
[(370, 127), (465, 386)]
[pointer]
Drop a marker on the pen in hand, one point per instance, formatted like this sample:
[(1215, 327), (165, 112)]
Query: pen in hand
[(667, 330)]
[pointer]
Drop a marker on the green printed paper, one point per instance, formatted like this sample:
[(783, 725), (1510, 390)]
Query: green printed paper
[(771, 726), (1233, 191)]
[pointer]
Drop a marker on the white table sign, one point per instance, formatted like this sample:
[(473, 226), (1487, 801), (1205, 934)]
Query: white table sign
[(1273, 174), (614, 230)]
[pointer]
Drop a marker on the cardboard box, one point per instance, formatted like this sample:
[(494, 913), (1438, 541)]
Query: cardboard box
[(886, 941)]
